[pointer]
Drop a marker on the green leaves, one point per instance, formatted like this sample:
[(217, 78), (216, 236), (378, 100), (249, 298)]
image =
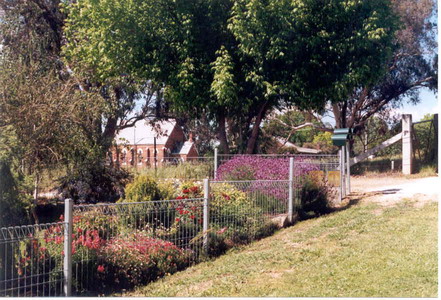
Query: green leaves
[(315, 51), (223, 86)]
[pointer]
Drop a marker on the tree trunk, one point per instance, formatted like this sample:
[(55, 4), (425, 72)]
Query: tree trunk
[(109, 132), (35, 200), (251, 145), (337, 115), (222, 133)]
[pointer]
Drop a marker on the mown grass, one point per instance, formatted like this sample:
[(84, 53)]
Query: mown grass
[(363, 251)]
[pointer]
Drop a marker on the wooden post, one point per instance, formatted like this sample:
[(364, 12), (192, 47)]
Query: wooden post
[(407, 144)]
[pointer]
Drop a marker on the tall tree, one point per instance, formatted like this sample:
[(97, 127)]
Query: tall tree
[(55, 123), (412, 66), (232, 60), (310, 52)]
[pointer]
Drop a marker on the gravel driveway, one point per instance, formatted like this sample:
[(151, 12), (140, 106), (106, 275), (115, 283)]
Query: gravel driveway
[(389, 190)]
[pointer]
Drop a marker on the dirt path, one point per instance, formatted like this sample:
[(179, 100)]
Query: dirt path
[(391, 190)]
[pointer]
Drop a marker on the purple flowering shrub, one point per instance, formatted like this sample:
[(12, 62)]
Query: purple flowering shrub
[(266, 168), (249, 167)]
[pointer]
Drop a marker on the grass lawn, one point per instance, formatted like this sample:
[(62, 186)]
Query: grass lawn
[(363, 251)]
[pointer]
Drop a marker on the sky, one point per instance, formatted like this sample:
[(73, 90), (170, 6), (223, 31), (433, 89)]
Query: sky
[(428, 105)]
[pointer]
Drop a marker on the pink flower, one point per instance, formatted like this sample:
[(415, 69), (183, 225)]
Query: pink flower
[(100, 269), (221, 230)]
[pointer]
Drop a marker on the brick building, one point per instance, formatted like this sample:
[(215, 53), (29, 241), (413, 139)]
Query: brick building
[(136, 145)]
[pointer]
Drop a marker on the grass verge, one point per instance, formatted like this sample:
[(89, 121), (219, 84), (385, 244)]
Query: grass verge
[(363, 251)]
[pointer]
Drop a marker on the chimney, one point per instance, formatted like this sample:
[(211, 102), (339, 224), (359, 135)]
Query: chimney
[(190, 137)]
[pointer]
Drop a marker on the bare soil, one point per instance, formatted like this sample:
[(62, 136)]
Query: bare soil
[(388, 191)]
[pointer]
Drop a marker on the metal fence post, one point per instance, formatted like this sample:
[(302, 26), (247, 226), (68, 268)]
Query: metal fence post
[(67, 268), (291, 189), (343, 170), (215, 163), (348, 169), (340, 194), (206, 213)]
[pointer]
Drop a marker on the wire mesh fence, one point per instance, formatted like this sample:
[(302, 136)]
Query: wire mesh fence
[(120, 245), (31, 260), (252, 211), (272, 166), (115, 236), (323, 168)]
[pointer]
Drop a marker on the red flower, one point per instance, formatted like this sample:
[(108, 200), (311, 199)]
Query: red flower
[(226, 196), (61, 217), (177, 219), (179, 197), (192, 217), (194, 189), (79, 230), (100, 269), (186, 191)]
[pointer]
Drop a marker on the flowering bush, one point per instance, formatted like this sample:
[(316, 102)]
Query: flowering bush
[(266, 168), (249, 167), (128, 261), (143, 188), (314, 195)]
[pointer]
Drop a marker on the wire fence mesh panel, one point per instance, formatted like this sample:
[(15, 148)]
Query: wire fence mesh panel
[(271, 166), (241, 211), (31, 260), (121, 245), (322, 169)]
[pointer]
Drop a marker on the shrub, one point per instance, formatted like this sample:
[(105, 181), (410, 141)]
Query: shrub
[(167, 190), (92, 184), (129, 261), (314, 196), (248, 167), (143, 188), (12, 204)]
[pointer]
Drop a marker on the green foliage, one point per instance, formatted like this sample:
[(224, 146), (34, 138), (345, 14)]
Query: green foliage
[(167, 190), (189, 170), (280, 125), (314, 196), (426, 146), (300, 49), (223, 86), (94, 183), (234, 59), (324, 137), (12, 204), (143, 188), (322, 141)]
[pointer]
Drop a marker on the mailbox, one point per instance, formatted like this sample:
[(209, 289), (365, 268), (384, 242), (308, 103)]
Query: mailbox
[(340, 136)]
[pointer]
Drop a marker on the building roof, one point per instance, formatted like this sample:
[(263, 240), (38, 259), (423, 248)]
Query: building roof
[(144, 133), (184, 149), (300, 149)]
